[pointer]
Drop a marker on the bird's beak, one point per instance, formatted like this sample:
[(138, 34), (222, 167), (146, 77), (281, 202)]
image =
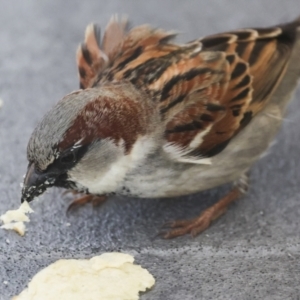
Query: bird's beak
[(35, 183)]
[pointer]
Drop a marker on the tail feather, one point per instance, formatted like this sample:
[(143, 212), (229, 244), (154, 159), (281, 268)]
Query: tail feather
[(292, 75), (90, 58), (93, 56), (289, 30), (114, 34), (297, 21)]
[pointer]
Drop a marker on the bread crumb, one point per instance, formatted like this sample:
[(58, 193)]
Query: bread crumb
[(14, 219), (110, 276), (17, 215), (18, 227)]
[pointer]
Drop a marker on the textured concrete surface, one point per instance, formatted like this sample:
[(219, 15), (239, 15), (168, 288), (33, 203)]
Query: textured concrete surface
[(250, 253)]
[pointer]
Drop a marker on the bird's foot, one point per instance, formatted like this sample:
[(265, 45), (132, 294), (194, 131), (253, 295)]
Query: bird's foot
[(199, 224), (95, 200)]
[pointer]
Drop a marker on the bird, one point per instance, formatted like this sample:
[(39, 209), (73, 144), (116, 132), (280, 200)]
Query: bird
[(157, 119)]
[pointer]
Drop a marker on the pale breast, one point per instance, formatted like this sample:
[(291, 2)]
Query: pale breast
[(161, 177)]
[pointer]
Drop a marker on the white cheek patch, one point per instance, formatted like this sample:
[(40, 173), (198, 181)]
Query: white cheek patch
[(109, 181), (99, 182)]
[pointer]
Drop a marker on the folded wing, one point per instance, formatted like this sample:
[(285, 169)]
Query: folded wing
[(206, 90)]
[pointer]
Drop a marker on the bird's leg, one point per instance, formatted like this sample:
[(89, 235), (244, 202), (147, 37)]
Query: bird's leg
[(95, 200), (199, 224)]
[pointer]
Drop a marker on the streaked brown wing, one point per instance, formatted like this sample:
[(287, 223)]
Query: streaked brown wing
[(256, 62), (207, 90)]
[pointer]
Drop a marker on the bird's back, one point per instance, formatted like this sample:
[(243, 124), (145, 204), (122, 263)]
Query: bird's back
[(207, 90)]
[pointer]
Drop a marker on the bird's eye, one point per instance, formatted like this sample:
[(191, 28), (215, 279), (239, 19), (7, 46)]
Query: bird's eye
[(68, 158)]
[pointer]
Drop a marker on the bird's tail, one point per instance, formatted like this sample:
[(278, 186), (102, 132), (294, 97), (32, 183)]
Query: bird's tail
[(290, 31), (297, 21), (293, 24), (93, 55)]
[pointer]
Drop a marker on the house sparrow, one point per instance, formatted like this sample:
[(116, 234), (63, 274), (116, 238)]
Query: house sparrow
[(158, 119)]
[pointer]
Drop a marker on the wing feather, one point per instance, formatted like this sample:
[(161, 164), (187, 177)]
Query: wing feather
[(207, 90), (257, 60)]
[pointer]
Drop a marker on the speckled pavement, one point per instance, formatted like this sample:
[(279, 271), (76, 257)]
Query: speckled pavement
[(250, 253)]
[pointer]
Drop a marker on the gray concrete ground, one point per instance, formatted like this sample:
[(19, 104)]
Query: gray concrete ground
[(250, 253)]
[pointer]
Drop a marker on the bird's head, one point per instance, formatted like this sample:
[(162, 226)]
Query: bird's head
[(85, 134)]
